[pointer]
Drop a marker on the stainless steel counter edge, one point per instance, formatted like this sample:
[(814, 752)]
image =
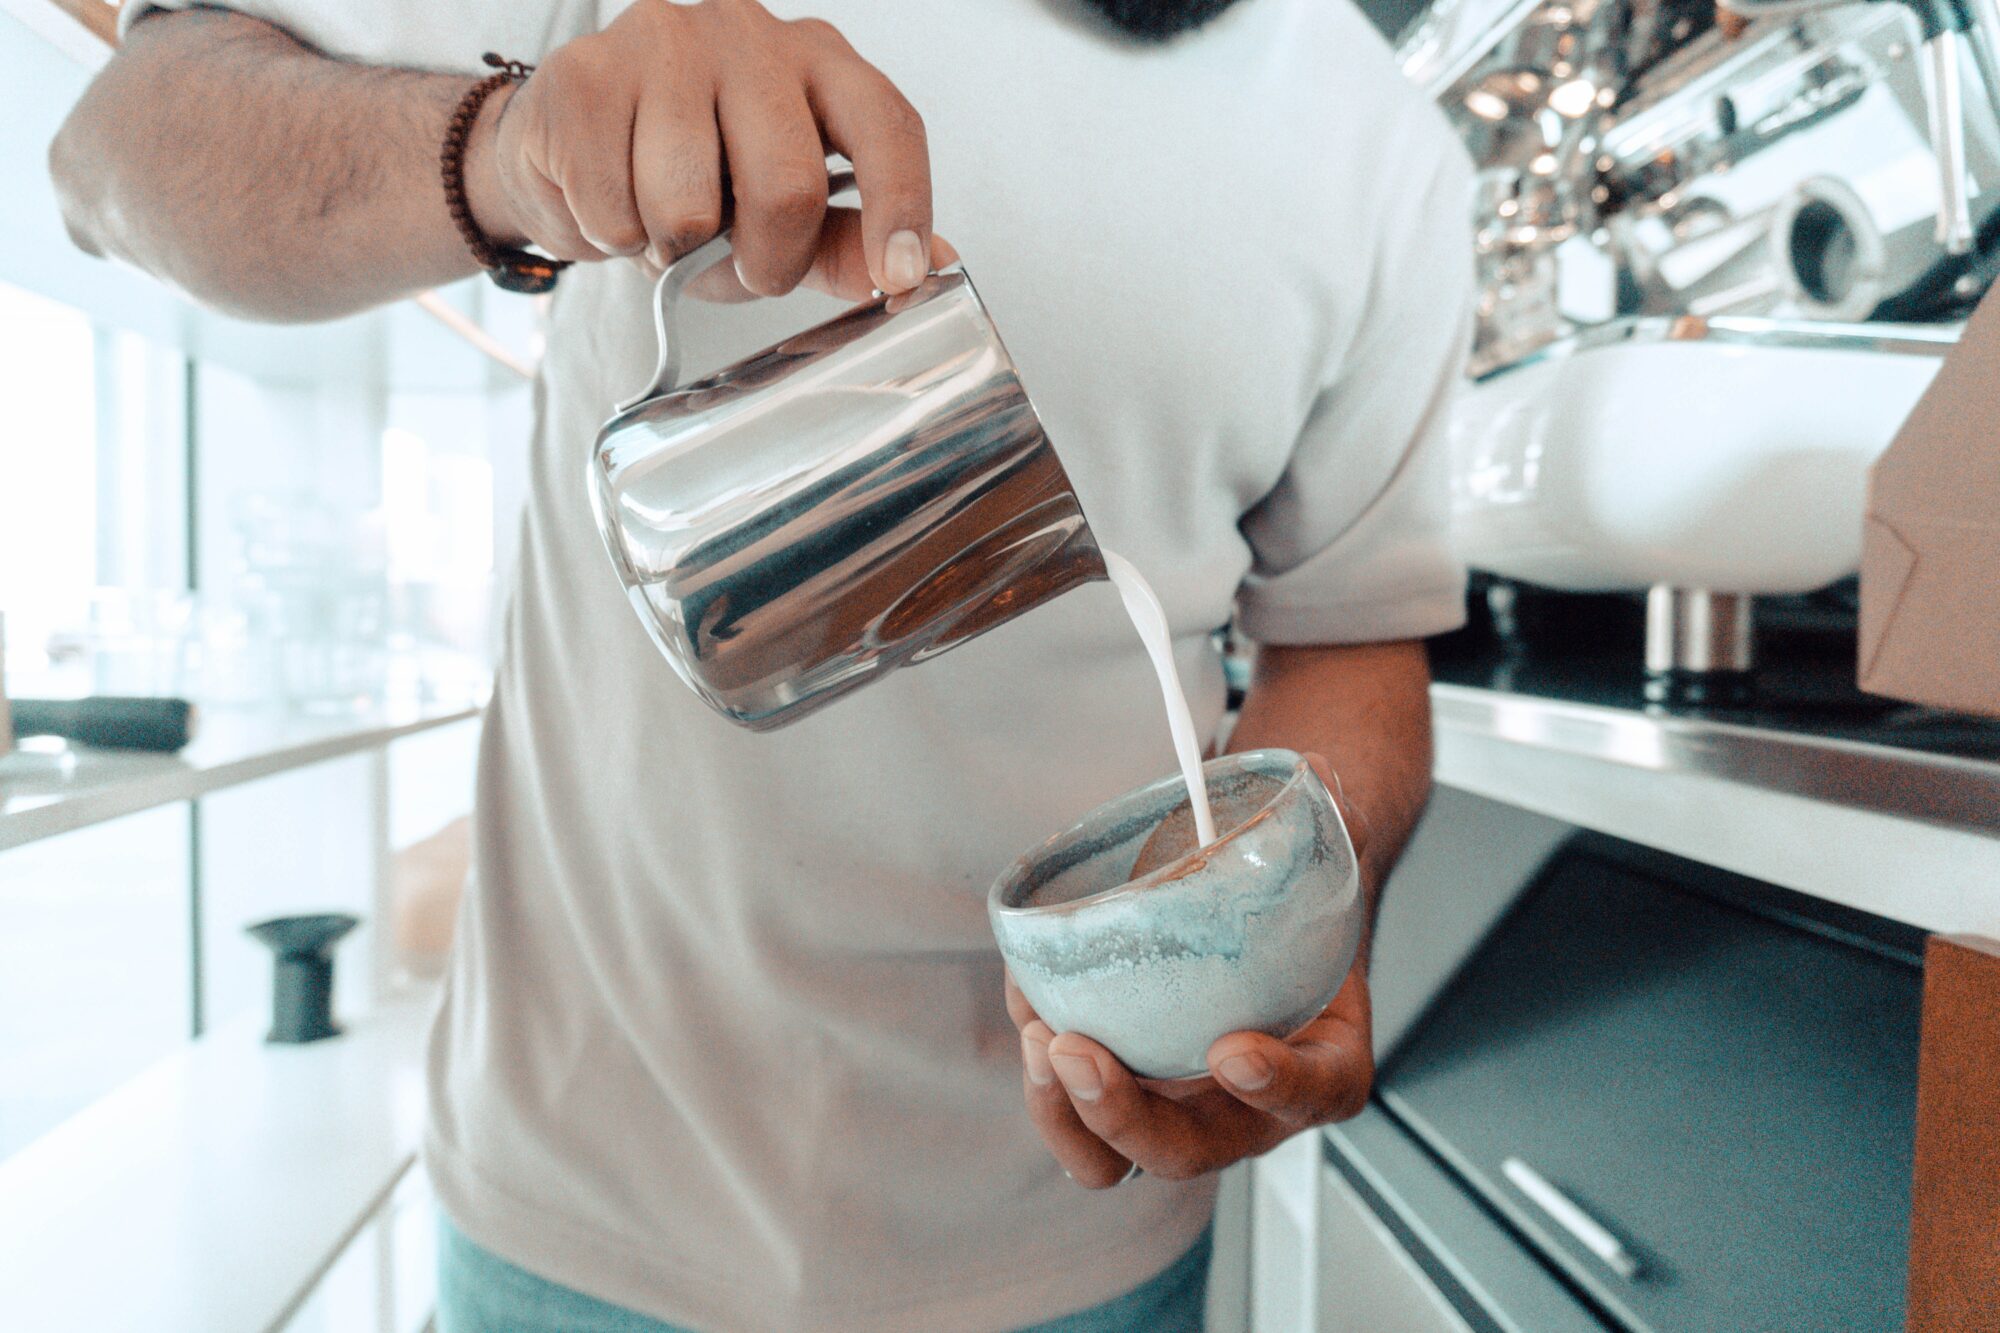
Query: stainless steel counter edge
[(1906, 834)]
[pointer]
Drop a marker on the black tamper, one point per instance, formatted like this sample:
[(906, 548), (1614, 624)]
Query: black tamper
[(302, 973)]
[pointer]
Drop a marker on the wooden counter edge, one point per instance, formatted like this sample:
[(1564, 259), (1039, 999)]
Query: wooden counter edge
[(1954, 1282)]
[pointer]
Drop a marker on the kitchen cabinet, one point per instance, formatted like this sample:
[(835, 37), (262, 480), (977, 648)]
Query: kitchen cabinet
[(1954, 1276), (1356, 1231), (1284, 1254), (1720, 1076), (1846, 1172), (1368, 1283)]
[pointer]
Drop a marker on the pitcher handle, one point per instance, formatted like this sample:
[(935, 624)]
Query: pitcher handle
[(675, 279)]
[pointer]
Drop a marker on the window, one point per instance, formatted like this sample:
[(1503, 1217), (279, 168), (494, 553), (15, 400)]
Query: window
[(48, 511), (271, 536), (291, 526), (95, 960), (93, 499)]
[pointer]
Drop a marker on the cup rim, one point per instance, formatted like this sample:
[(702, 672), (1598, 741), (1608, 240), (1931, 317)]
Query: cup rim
[(1172, 870)]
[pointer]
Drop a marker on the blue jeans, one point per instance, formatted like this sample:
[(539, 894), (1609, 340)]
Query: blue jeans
[(479, 1292)]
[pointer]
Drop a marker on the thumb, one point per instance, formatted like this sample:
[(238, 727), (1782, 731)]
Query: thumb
[(840, 263), (1318, 1077), (839, 267)]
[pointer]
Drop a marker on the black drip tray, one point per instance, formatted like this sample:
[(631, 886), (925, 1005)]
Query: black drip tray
[(1729, 1088)]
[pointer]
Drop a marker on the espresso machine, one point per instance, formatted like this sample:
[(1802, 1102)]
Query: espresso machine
[(1721, 247)]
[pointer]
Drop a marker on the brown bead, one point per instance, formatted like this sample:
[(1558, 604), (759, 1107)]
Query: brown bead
[(512, 270)]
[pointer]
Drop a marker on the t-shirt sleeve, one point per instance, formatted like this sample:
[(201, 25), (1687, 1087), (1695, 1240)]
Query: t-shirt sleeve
[(1353, 544), (442, 35)]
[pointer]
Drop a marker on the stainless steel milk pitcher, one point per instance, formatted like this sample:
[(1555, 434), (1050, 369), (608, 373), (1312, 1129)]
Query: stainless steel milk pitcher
[(868, 493)]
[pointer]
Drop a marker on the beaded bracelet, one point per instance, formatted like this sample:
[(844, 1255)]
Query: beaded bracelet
[(514, 270)]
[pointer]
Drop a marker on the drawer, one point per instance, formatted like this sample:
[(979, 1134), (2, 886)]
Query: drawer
[(1721, 1075)]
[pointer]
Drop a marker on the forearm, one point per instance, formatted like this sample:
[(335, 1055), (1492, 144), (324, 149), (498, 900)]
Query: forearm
[(1366, 708), (258, 175)]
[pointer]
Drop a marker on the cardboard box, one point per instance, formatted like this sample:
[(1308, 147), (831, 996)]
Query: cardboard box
[(1930, 551)]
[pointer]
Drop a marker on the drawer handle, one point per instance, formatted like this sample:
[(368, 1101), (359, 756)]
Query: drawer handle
[(1588, 1231)]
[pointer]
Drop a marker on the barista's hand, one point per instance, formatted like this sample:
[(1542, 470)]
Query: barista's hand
[(639, 141), (1099, 1119)]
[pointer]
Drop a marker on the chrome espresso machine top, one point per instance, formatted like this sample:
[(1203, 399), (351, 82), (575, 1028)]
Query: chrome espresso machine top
[(1721, 248), (1790, 158)]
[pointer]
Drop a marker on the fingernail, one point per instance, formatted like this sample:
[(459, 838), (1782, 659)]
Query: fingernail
[(1079, 1076), (1035, 1055), (744, 279), (1251, 1073), (904, 263)]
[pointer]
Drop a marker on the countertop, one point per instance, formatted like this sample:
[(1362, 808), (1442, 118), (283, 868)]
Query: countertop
[(1891, 809)]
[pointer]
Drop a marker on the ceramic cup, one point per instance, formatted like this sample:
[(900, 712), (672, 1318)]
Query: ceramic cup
[(1255, 932)]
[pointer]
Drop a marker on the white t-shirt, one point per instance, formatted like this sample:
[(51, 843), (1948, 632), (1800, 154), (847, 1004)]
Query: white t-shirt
[(724, 1038)]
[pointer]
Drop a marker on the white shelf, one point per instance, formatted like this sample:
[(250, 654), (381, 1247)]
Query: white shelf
[(1902, 833), (210, 1194), (39, 798)]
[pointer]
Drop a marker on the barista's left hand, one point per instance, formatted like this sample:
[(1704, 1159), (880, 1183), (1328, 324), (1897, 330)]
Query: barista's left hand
[(1099, 1119)]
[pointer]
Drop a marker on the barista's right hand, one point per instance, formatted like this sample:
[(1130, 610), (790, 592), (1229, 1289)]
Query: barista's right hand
[(624, 142)]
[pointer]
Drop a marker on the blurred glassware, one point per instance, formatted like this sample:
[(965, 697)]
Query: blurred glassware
[(228, 663), (333, 651), (137, 641), (301, 615), (311, 587)]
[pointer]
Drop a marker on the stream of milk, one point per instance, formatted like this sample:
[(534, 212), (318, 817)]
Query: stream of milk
[(1150, 619)]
